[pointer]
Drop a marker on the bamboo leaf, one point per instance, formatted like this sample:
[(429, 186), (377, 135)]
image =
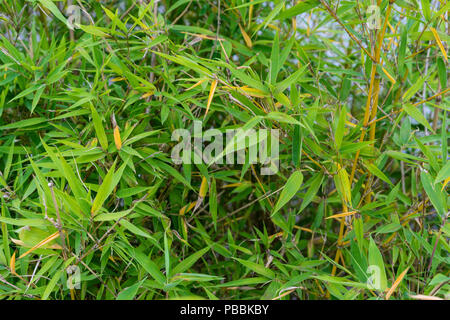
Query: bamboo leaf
[(376, 260), (259, 269), (98, 125), (189, 261), (104, 191), (291, 187), (414, 113)]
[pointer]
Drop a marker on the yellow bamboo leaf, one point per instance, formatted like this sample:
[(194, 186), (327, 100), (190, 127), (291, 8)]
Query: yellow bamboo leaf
[(211, 95), (340, 215), (186, 208), (18, 242), (284, 294), (12, 264), (42, 243), (396, 283), (351, 124), (439, 42), (203, 36), (117, 79), (250, 91), (389, 76), (273, 27), (303, 229), (276, 235), (247, 39), (342, 182), (92, 143), (117, 139), (195, 85), (445, 183), (203, 188), (146, 95), (143, 25), (232, 185), (185, 229), (201, 193), (390, 27), (23, 244)]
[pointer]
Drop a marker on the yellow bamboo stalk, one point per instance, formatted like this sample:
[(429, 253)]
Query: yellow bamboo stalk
[(374, 89)]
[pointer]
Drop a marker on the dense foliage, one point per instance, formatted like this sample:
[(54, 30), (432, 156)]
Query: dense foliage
[(93, 206)]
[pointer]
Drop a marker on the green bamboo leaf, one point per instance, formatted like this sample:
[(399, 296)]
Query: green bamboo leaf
[(292, 79), (297, 145), (299, 8), (342, 182), (389, 228), (259, 269), (428, 154), (137, 231), (98, 125), (28, 91), (148, 266), (104, 191), (402, 50), (291, 187), (9, 161), (24, 123), (51, 284), (243, 282), (358, 226), (340, 128), (426, 10), (167, 255), (377, 264), (250, 81), (130, 292), (413, 89), (270, 17), (442, 72), (283, 117), (66, 171), (414, 113), (25, 222), (109, 216), (37, 97), (373, 169), (444, 173), (437, 197), (275, 59), (96, 31), (213, 202), (316, 182), (189, 261), (53, 9), (184, 61)]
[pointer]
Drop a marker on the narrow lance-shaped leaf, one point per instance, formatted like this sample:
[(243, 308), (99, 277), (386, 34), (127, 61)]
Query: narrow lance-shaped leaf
[(316, 182), (413, 112), (291, 187), (104, 191), (376, 266), (98, 125), (436, 196)]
